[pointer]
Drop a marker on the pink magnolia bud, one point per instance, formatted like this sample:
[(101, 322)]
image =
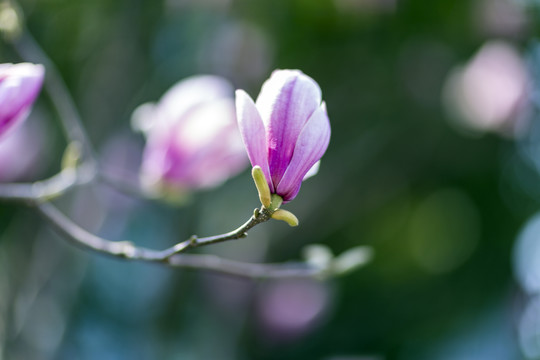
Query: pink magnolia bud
[(193, 140), (286, 131), (19, 86)]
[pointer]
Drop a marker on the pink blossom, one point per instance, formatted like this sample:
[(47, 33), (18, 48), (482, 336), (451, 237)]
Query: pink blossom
[(30, 147), (192, 136), (286, 131), (19, 86)]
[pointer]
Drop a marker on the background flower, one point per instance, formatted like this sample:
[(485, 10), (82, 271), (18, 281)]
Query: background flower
[(192, 137), (19, 87), (32, 151)]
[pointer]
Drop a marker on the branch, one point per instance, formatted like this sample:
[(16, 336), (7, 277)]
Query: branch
[(172, 257), (50, 188)]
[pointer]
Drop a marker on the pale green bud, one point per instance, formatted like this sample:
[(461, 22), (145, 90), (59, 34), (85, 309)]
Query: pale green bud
[(286, 216), (262, 186)]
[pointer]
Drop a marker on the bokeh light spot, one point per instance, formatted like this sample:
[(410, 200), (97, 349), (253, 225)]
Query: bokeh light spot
[(444, 230)]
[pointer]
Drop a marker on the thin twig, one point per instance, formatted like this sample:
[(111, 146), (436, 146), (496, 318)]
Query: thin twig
[(172, 257), (50, 188)]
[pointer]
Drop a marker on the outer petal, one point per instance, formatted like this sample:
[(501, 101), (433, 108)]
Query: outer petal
[(187, 94), (19, 86), (192, 137), (310, 147), (143, 118), (313, 171), (253, 133), (285, 103), (211, 145)]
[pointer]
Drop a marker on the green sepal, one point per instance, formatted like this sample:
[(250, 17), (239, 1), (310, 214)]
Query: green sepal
[(262, 186), (286, 216)]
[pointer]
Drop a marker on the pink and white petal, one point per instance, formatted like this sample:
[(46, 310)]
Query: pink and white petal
[(212, 142), (313, 171), (143, 118), (19, 86), (7, 125), (192, 92), (154, 166), (286, 102), (310, 147), (253, 133)]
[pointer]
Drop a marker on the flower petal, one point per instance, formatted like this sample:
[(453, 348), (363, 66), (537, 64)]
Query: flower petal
[(143, 118), (19, 86), (192, 137), (310, 147), (194, 91), (313, 171), (206, 149), (253, 133), (286, 102)]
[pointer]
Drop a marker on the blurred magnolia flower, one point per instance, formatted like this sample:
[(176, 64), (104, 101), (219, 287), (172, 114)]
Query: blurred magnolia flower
[(286, 131), (19, 86), (192, 136), (490, 92), (29, 144)]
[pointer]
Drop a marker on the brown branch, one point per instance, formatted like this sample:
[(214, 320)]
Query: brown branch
[(172, 257)]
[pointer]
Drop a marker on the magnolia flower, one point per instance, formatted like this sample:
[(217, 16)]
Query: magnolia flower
[(24, 152), (286, 131), (19, 86), (192, 136)]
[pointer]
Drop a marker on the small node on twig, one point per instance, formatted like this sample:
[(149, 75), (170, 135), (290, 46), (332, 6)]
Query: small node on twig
[(256, 213), (127, 249), (193, 240), (243, 235)]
